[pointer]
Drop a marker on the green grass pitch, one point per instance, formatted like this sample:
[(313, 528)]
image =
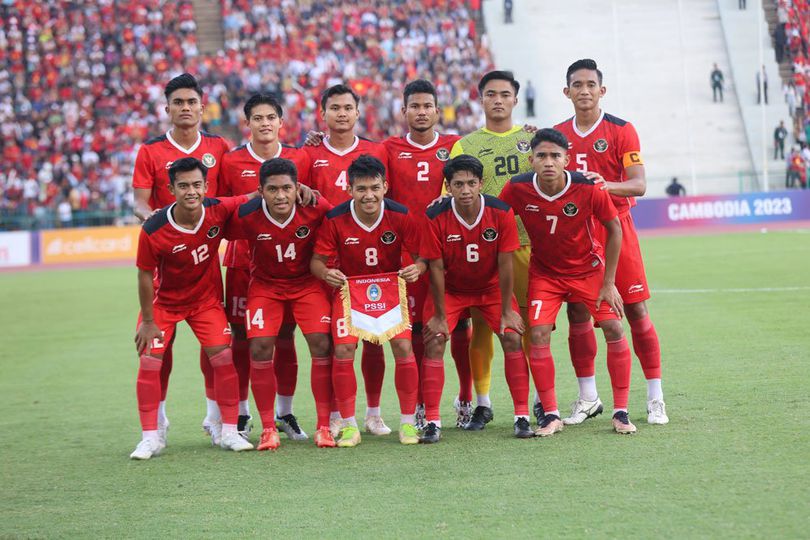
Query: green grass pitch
[(733, 462)]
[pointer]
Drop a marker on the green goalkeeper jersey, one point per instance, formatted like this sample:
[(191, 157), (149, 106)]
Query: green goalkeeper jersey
[(504, 155)]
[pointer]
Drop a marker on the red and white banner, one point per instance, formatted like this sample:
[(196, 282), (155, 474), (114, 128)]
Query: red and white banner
[(376, 306)]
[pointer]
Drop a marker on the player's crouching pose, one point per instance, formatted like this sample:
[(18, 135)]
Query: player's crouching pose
[(281, 236), (368, 234), (469, 244), (181, 242), (557, 207)]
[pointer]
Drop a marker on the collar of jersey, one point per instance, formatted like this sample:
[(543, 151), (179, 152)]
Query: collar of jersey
[(185, 151), (272, 220), (256, 156), (461, 219), (183, 229), (340, 152), (514, 129), (360, 223), (554, 197), (595, 125), (431, 144)]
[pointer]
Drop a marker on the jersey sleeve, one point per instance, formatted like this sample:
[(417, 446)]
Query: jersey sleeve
[(431, 246), (629, 146), (302, 164), (144, 175), (457, 149), (146, 259), (602, 205), (509, 240), (325, 243), (224, 185), (231, 204), (506, 194), (235, 226)]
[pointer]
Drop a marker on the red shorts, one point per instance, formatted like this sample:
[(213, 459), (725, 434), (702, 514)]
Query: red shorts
[(208, 322), (236, 292), (546, 295), (304, 301), (456, 307), (418, 291), (340, 330), (631, 280)]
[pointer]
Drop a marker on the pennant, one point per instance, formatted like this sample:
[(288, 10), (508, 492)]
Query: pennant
[(375, 306)]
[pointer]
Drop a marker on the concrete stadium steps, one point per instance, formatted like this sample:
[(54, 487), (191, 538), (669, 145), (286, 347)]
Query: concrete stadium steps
[(656, 59), (210, 34)]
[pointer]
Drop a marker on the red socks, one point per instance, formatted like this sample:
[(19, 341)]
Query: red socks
[(542, 367), (517, 377), (372, 365), (646, 346), (460, 350), (582, 346), (208, 376), (432, 385), (286, 365), (619, 364), (226, 386), (321, 381), (418, 344), (263, 383), (406, 381), (165, 371), (241, 361), (344, 385), (148, 389)]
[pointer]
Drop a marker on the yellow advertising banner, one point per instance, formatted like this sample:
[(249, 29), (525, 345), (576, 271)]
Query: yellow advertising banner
[(93, 244)]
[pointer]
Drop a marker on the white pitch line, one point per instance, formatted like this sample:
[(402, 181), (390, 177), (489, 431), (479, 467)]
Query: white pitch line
[(735, 290)]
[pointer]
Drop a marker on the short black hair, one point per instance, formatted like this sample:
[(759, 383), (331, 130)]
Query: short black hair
[(366, 166), (585, 63), (186, 80), (419, 86), (186, 164), (262, 99), (277, 167), (549, 135), (463, 162), (498, 76), (338, 90)]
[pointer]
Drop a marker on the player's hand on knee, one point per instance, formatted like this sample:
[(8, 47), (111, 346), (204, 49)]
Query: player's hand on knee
[(314, 138), (147, 332), (512, 319), (610, 294), (436, 327)]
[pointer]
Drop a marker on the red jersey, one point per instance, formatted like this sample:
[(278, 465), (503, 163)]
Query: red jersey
[(609, 147), (156, 155), (416, 172), (239, 175), (278, 252), (365, 250), (328, 167), (470, 252), (186, 261), (560, 226)]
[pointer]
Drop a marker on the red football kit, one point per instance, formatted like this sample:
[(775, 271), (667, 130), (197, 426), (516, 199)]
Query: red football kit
[(362, 250), (470, 255), (415, 178), (156, 155), (328, 171), (239, 175), (186, 263), (279, 268), (567, 263), (609, 148)]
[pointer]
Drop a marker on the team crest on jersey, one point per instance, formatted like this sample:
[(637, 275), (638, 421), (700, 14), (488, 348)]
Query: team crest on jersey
[(302, 231), (209, 160), (212, 232), (570, 209), (489, 234), (442, 154), (600, 145), (388, 237), (523, 146), (373, 293)]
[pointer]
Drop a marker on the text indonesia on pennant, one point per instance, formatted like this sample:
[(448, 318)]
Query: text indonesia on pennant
[(375, 306)]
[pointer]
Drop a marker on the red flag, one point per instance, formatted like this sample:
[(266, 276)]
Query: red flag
[(375, 306)]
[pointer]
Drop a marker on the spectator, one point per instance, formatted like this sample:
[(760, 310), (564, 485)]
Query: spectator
[(716, 79), (675, 188), (507, 11), (762, 85), (530, 93), (779, 136), (65, 211), (741, 4)]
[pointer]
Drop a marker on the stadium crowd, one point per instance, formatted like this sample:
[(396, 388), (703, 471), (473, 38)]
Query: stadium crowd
[(81, 82), (792, 37)]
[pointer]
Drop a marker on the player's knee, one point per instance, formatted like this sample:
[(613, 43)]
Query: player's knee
[(435, 348), (286, 331), (612, 329), (345, 350), (319, 344), (261, 349), (577, 313), (636, 311), (541, 335), (401, 348), (511, 342)]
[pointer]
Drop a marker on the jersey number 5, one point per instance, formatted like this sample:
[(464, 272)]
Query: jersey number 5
[(582, 164)]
